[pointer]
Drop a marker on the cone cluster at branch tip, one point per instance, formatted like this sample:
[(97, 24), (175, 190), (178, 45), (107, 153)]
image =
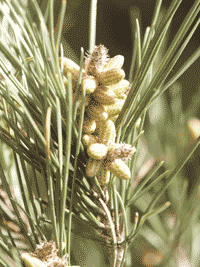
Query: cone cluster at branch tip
[(45, 255), (105, 87)]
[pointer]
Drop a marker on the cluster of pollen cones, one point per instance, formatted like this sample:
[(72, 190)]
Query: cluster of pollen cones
[(105, 88)]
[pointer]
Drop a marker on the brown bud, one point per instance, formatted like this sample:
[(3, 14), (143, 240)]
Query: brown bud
[(96, 60), (121, 151)]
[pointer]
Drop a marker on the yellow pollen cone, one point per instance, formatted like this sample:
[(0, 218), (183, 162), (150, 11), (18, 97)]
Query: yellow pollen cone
[(111, 77), (119, 168), (89, 84), (107, 132), (97, 151), (104, 97), (88, 139), (115, 62)]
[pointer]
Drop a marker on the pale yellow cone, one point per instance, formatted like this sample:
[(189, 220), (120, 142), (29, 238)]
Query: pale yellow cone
[(115, 109), (120, 87), (119, 168), (97, 112), (115, 62), (88, 139), (104, 97), (97, 151), (89, 126), (31, 261), (107, 132), (111, 77), (89, 84)]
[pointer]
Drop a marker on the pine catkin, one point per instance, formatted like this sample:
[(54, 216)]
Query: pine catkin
[(111, 77), (115, 109), (89, 139), (119, 168), (105, 87), (97, 151), (104, 97), (89, 84), (115, 62), (107, 132), (121, 87)]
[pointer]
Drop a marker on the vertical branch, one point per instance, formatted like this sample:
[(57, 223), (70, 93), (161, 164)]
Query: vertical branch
[(93, 19)]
